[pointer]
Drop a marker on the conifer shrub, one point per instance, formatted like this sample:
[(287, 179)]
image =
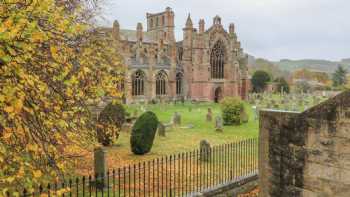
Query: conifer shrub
[(143, 133)]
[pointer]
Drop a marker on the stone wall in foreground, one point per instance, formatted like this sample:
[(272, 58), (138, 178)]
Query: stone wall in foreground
[(306, 154), (233, 188)]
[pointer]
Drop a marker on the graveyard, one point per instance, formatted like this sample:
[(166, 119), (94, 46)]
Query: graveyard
[(192, 98), (194, 127)]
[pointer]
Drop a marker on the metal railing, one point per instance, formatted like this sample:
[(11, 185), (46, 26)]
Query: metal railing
[(180, 174)]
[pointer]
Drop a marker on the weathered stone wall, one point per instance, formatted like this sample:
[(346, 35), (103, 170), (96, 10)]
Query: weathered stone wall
[(306, 154), (231, 189)]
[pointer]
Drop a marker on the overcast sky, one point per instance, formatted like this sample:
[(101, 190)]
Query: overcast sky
[(273, 29)]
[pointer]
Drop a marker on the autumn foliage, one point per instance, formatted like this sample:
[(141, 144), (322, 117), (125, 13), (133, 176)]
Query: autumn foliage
[(53, 64)]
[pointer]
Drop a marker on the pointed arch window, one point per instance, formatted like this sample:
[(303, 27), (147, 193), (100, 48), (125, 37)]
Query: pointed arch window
[(138, 83), (217, 60), (179, 78), (161, 81)]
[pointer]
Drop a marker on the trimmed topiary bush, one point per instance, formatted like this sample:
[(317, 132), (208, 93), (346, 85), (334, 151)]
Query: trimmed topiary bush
[(109, 123), (233, 111), (143, 133)]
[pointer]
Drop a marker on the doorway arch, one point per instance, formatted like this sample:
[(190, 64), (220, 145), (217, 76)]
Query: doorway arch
[(217, 94)]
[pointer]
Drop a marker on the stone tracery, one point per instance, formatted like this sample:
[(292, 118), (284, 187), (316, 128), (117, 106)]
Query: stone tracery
[(217, 60), (161, 82), (138, 83)]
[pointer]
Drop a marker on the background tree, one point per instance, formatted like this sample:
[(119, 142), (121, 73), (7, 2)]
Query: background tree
[(259, 80), (53, 65), (303, 86), (339, 76), (282, 85), (110, 122)]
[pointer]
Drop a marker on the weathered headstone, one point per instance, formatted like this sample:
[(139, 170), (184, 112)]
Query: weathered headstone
[(268, 105), (205, 150), (255, 108), (177, 119), (244, 116), (161, 129), (135, 114), (209, 115), (218, 124), (100, 165)]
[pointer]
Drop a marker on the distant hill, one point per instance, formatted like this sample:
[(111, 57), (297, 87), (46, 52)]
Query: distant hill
[(266, 65), (313, 64), (287, 65)]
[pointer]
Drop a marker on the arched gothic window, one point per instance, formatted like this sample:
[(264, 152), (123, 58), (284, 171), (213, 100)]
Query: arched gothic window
[(217, 60), (179, 54), (138, 83), (161, 80), (179, 83)]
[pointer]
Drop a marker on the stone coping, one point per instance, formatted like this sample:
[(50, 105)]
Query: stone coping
[(221, 189)]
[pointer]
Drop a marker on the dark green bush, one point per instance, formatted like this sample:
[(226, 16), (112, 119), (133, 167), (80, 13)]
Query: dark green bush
[(259, 80), (143, 133), (233, 111), (110, 121)]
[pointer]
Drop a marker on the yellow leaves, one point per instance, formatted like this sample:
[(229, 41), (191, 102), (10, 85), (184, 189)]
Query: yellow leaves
[(54, 52), (10, 179), (18, 106), (15, 108), (7, 135), (9, 109), (32, 147), (37, 173), (38, 37), (7, 24), (32, 94)]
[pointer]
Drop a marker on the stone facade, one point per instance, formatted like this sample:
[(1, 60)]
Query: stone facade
[(206, 65), (306, 154)]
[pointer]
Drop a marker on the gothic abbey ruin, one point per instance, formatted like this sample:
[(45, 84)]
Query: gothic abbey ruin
[(206, 65)]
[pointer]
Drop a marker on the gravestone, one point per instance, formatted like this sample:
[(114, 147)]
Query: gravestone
[(135, 114), (218, 124), (294, 107), (255, 108), (161, 129), (209, 115), (100, 165), (177, 119), (205, 150), (268, 105), (244, 116)]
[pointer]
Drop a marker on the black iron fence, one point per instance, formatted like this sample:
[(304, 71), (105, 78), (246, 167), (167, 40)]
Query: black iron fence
[(173, 175)]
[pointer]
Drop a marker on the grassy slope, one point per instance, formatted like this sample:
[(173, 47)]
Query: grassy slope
[(180, 140)]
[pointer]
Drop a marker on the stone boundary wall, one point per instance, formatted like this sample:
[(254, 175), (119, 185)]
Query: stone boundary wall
[(306, 154), (231, 189)]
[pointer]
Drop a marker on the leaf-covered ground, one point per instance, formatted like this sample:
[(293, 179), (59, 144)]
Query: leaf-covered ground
[(178, 139)]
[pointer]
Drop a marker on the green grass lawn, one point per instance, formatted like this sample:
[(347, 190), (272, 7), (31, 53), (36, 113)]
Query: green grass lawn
[(182, 139)]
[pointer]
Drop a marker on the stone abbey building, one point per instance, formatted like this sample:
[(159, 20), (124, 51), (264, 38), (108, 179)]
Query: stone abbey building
[(206, 65)]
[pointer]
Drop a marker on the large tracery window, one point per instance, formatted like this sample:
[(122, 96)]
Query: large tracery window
[(179, 83), (161, 79), (217, 60), (138, 83)]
